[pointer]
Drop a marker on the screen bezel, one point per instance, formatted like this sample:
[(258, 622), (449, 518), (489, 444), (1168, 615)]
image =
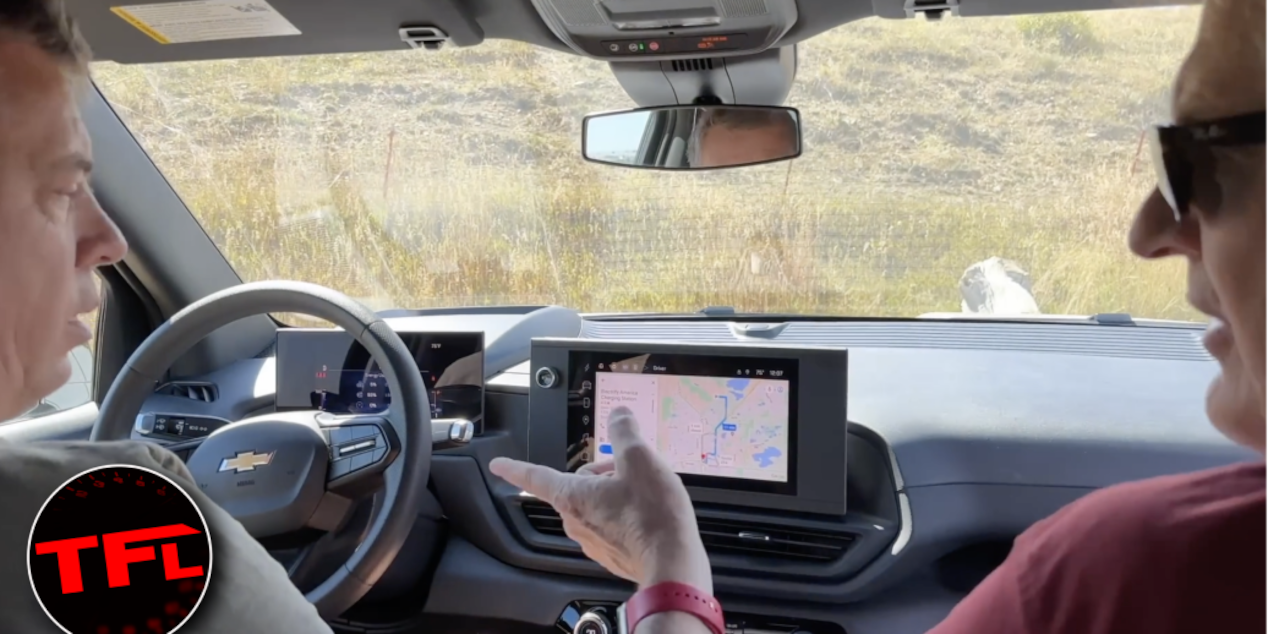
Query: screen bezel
[(822, 425), (413, 341), (584, 367)]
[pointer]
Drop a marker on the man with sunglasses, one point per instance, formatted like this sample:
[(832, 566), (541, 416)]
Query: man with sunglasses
[(1176, 554), (1180, 553)]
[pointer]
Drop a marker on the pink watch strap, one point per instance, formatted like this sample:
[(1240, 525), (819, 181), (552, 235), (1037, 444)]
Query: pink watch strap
[(674, 597)]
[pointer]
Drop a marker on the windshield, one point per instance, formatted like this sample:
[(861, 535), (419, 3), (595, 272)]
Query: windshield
[(428, 179)]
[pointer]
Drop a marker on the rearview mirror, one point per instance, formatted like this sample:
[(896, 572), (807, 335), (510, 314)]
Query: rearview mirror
[(692, 137)]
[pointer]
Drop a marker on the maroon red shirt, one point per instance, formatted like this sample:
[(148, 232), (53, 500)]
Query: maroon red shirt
[(1172, 555)]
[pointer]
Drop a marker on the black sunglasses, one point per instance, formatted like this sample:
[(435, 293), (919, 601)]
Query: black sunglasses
[(1184, 161)]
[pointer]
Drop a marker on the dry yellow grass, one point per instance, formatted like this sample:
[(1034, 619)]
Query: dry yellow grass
[(454, 178)]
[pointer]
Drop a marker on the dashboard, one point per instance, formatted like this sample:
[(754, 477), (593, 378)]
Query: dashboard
[(848, 476), (327, 370)]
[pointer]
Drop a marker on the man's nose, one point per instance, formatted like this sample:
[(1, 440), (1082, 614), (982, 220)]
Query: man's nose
[(1156, 234), (100, 241)]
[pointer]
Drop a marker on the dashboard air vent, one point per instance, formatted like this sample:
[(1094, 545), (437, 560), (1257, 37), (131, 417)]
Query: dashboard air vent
[(771, 541), (205, 392), (725, 537), (543, 518)]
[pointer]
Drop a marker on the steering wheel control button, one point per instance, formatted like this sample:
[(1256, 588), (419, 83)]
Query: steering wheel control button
[(546, 378), (361, 461), (199, 427), (340, 436), (340, 468), (89, 544), (356, 446), (178, 425), (166, 424)]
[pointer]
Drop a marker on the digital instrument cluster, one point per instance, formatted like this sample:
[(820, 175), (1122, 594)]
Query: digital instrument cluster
[(329, 371), (761, 426)]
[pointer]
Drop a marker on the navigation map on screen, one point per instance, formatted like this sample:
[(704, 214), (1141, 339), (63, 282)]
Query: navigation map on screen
[(714, 426)]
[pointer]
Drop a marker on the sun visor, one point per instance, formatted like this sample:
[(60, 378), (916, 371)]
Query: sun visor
[(146, 31), (937, 9), (661, 30)]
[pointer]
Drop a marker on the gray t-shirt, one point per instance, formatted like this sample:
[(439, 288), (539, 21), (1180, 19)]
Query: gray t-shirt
[(249, 592)]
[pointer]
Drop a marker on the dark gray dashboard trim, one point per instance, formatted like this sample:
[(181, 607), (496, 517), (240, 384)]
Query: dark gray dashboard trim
[(462, 491), (942, 519), (471, 576)]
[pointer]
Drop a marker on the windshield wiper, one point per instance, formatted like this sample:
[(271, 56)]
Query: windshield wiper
[(1113, 319)]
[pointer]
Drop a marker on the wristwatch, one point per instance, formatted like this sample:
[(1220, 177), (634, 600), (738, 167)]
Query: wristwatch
[(669, 597)]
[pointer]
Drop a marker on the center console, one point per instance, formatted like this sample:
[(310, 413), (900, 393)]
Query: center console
[(597, 617), (787, 493), (759, 427)]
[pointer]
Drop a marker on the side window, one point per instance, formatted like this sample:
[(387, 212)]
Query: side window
[(78, 390)]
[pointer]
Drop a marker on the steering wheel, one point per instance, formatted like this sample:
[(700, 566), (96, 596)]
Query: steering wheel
[(283, 472)]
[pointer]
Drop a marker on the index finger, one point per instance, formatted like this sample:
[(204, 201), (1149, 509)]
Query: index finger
[(544, 483), (628, 448)]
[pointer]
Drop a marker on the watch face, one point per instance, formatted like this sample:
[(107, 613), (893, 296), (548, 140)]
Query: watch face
[(119, 550)]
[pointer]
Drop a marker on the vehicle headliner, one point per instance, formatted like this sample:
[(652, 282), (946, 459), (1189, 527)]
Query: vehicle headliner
[(338, 26)]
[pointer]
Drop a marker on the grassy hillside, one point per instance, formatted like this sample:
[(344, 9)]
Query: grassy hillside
[(454, 178)]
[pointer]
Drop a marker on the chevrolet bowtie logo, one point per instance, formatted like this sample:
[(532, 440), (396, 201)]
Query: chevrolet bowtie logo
[(246, 461)]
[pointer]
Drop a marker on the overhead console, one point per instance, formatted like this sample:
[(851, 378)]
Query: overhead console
[(759, 427), (656, 30)]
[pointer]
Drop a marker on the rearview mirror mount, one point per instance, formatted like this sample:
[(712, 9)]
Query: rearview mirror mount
[(697, 137)]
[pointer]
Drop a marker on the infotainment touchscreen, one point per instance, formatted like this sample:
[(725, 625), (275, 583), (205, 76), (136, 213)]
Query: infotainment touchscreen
[(329, 371), (713, 418), (746, 424)]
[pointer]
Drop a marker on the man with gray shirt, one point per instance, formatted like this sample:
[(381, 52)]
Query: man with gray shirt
[(53, 236)]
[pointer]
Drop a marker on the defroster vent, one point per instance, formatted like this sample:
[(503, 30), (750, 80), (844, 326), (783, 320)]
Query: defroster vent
[(727, 537)]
